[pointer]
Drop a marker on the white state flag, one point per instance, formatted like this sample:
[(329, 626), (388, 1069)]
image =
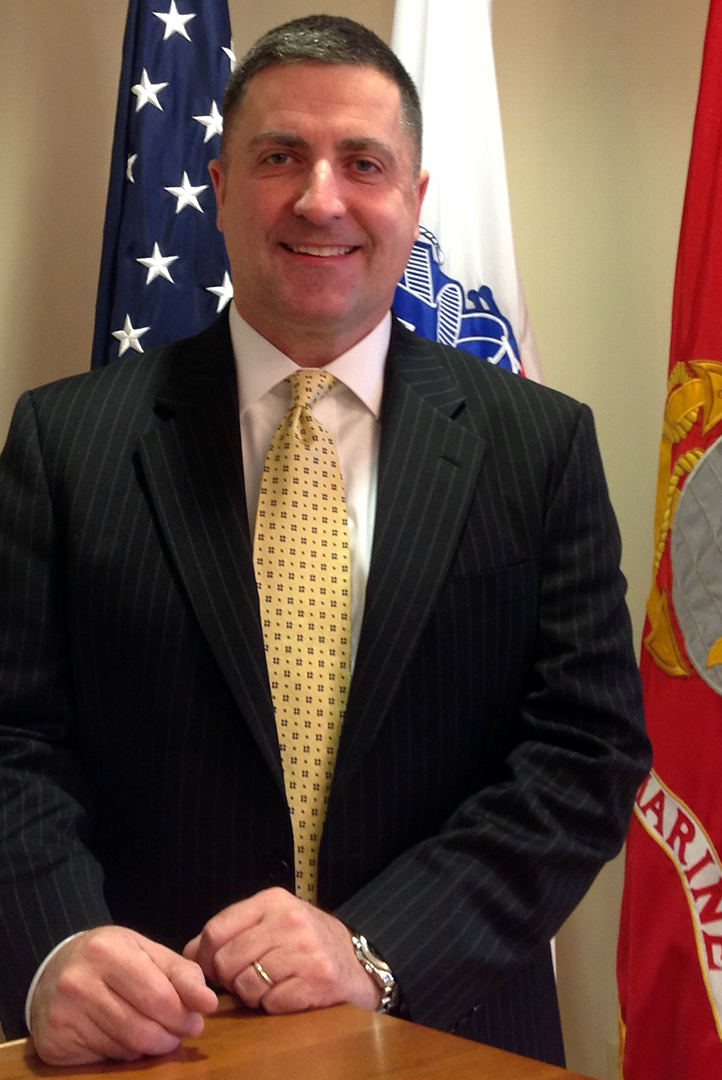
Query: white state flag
[(461, 285)]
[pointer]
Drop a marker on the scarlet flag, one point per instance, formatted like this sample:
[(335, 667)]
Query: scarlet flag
[(670, 947)]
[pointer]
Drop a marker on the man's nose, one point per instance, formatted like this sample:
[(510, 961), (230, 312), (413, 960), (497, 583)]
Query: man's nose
[(320, 200)]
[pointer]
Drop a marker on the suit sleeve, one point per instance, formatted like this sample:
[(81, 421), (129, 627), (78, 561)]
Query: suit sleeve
[(460, 912), (50, 886)]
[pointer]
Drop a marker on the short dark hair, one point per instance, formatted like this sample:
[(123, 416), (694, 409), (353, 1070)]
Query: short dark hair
[(325, 39)]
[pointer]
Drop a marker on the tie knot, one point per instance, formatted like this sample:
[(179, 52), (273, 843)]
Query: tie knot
[(309, 385)]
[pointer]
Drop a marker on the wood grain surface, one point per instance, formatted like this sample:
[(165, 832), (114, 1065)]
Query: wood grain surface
[(342, 1043)]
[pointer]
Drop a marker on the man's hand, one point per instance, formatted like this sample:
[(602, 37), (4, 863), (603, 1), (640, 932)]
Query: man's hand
[(306, 954), (112, 993)]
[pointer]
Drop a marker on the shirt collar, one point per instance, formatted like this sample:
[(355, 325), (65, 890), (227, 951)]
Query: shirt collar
[(260, 366)]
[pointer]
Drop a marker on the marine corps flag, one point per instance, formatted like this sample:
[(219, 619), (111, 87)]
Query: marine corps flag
[(461, 285), (670, 949), (164, 270)]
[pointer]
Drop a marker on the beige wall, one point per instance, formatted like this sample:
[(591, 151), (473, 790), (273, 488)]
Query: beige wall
[(597, 102)]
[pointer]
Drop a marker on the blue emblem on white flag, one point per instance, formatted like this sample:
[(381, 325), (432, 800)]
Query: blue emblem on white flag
[(438, 307), (472, 296)]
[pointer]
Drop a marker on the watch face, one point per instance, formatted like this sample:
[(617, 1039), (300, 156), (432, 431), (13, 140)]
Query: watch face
[(377, 968)]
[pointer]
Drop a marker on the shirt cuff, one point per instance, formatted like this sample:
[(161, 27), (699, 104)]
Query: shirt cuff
[(39, 974)]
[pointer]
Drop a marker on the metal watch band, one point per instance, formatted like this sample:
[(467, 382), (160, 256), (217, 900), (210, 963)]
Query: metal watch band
[(379, 971)]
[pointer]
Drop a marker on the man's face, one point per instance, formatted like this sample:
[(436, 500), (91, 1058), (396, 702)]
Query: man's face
[(319, 204)]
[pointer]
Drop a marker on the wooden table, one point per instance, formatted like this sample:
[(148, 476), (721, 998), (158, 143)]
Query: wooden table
[(343, 1043)]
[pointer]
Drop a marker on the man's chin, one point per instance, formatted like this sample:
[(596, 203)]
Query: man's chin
[(313, 334), (314, 310)]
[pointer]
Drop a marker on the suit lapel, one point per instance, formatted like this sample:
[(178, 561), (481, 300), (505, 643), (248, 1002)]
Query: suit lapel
[(428, 467), (191, 460), (429, 462)]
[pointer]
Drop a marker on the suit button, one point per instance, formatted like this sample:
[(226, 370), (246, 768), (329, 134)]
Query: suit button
[(279, 871)]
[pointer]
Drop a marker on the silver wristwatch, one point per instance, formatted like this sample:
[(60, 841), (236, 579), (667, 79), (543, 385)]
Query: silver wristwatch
[(379, 971)]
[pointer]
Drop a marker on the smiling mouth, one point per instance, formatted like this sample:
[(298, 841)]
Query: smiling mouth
[(320, 252)]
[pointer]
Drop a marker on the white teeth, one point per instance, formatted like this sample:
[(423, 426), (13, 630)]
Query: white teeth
[(321, 252)]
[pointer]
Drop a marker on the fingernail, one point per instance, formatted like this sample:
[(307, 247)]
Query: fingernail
[(194, 1025)]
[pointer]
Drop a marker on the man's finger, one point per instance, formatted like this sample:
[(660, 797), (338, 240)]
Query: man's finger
[(126, 1034), (241, 952), (232, 922), (85, 1044), (257, 980), (190, 949), (143, 980), (296, 995), (187, 979), (73, 1032)]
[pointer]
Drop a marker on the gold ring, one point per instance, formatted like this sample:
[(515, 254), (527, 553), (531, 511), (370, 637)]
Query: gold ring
[(263, 973)]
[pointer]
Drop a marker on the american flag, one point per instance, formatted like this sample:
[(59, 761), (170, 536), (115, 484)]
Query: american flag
[(164, 271)]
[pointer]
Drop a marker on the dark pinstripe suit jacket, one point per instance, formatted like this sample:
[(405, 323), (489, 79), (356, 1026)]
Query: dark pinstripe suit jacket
[(493, 739)]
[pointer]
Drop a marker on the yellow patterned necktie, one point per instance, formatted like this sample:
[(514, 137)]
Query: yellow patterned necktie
[(301, 558)]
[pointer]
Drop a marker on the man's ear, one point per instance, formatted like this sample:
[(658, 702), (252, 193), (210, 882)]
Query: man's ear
[(421, 185), (218, 176)]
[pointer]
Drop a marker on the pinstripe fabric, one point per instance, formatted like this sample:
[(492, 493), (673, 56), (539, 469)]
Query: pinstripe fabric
[(493, 737)]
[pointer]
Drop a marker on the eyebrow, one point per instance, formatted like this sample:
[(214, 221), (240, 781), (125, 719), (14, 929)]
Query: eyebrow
[(366, 142), (284, 138), (358, 143)]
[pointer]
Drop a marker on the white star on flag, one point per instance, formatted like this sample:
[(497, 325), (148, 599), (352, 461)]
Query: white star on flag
[(158, 265), (128, 336), (175, 23), (161, 220), (186, 194), (213, 123), (224, 292), (146, 91), (231, 54)]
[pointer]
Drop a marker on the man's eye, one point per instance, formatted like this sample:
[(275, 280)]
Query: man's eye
[(280, 157), (363, 165)]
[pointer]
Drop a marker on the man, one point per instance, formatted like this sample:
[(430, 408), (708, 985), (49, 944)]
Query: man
[(492, 739)]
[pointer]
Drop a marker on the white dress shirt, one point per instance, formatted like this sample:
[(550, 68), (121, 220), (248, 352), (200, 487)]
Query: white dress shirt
[(350, 412)]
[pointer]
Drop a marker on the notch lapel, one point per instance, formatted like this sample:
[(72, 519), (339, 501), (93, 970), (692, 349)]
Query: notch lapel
[(191, 460), (428, 467)]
